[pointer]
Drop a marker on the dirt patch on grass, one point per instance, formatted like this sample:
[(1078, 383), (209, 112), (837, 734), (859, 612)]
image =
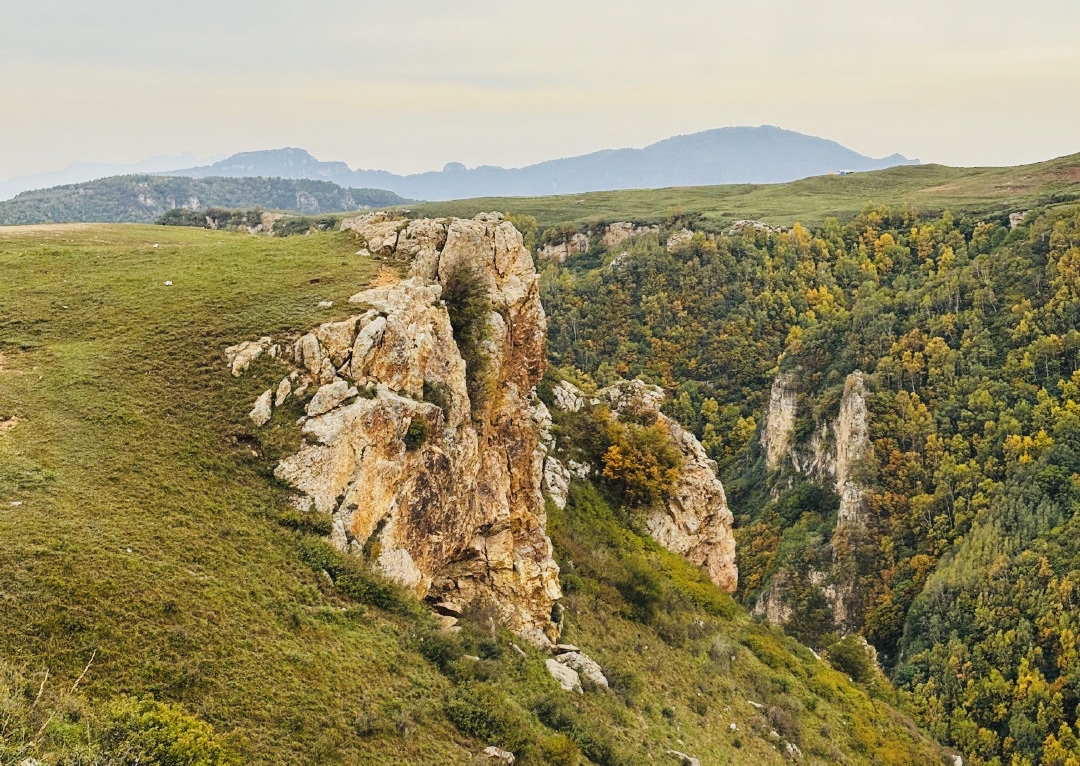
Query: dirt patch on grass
[(43, 228), (1069, 174), (7, 425), (386, 277)]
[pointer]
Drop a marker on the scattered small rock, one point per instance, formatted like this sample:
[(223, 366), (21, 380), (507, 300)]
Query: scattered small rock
[(325, 304), (168, 283), (792, 750), (261, 413), (283, 390), (240, 356), (733, 727), (518, 649), (684, 759), (560, 648), (16, 503), (498, 755)]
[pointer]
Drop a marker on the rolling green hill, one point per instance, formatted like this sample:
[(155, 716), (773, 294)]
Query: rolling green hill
[(145, 198), (155, 583), (928, 188)]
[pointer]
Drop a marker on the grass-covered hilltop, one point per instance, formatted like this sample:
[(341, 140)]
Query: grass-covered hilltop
[(888, 389)]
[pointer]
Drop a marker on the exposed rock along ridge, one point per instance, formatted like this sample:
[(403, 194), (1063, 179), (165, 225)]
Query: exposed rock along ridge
[(441, 490), (695, 520)]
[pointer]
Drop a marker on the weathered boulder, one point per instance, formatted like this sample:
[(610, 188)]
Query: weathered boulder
[(283, 390), (678, 239), (262, 411), (684, 759), (564, 674), (585, 666), (439, 473), (330, 396), (567, 397)]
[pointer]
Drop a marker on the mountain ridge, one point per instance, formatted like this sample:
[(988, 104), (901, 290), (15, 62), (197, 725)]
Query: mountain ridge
[(764, 154)]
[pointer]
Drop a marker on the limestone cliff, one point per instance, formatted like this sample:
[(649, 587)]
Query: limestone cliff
[(427, 466), (694, 520), (832, 451), (829, 456)]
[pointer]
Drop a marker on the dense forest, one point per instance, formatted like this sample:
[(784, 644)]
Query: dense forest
[(966, 331), (144, 198)]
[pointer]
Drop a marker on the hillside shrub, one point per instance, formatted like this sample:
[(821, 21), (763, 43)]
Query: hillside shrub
[(480, 710), (144, 731)]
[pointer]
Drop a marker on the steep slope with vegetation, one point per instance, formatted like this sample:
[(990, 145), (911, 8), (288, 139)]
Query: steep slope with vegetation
[(145, 198), (957, 553), (163, 601)]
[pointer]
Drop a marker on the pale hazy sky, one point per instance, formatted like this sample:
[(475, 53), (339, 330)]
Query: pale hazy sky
[(409, 86)]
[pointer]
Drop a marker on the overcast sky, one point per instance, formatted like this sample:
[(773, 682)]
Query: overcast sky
[(409, 86)]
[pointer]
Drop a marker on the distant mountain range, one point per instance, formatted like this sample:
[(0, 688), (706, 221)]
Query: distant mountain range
[(80, 172), (144, 198), (758, 155)]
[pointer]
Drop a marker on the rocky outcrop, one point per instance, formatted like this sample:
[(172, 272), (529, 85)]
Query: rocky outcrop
[(679, 239), (694, 521), (568, 248), (620, 231), (779, 421), (852, 441), (830, 456), (833, 450), (753, 227), (428, 467)]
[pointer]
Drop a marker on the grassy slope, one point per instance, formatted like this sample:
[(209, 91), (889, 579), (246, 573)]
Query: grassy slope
[(811, 200), (146, 533), (126, 444)]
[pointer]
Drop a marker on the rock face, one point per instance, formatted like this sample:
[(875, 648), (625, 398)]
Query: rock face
[(441, 488), (695, 520), (620, 231), (780, 421), (574, 244), (822, 459), (830, 456), (852, 442)]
